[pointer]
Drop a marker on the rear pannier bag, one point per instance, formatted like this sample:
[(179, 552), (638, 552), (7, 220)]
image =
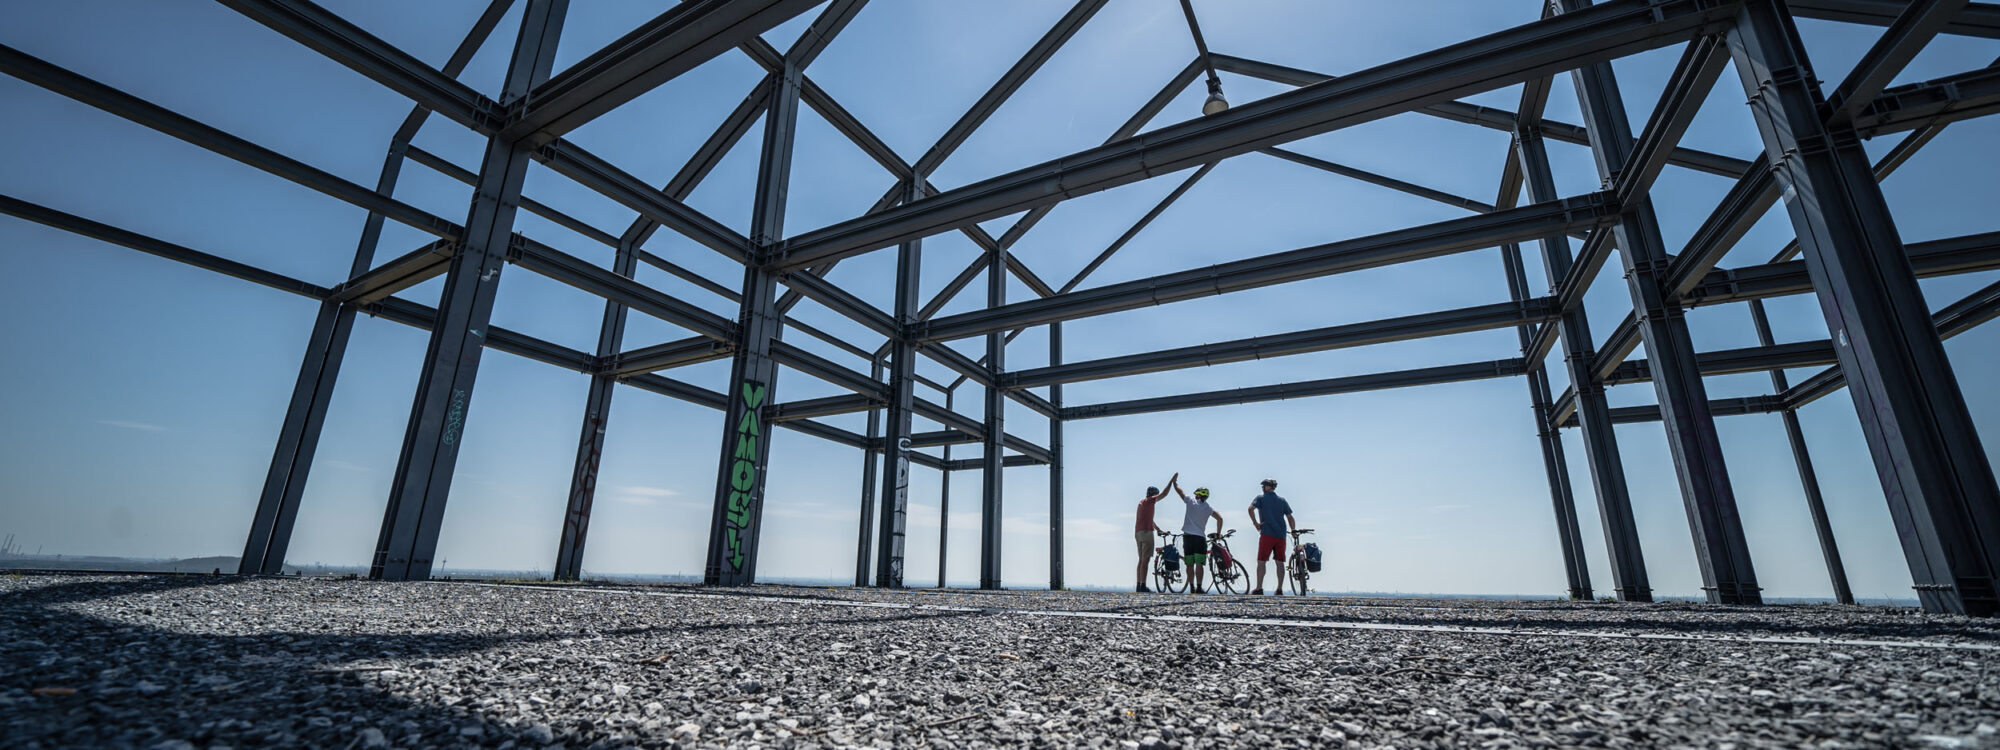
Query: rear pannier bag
[(1312, 557), (1172, 555)]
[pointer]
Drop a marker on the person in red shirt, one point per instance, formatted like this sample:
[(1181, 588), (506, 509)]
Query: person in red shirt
[(1146, 527)]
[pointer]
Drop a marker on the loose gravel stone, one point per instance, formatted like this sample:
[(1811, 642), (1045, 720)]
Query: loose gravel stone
[(203, 662)]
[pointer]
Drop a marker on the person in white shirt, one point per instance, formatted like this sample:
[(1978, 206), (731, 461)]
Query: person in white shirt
[(1194, 541)]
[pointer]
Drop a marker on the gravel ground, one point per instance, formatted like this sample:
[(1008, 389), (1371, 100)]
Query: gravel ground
[(199, 662)]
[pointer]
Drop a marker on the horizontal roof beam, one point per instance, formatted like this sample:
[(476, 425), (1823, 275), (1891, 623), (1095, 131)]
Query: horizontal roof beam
[(672, 43), (1444, 323), (1975, 19), (1486, 117), (1401, 246), (328, 34), (54, 78), (1600, 32), (1351, 384)]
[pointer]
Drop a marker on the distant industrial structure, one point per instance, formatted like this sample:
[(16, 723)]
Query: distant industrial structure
[(1885, 347)]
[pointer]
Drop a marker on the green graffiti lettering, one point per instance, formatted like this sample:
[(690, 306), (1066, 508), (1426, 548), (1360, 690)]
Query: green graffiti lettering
[(746, 447), (742, 475), (753, 394), (739, 508)]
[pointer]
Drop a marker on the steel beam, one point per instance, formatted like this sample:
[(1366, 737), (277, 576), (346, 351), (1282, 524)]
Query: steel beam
[(46, 75), (944, 502), (902, 403), (827, 406), (1976, 19), (671, 354), (1808, 481), (736, 522), (1401, 246), (1721, 548), (422, 481), (590, 440), (1352, 384), (1056, 465), (1939, 485), (1444, 323), (1771, 358), (863, 552), (1486, 117), (1535, 346), (1686, 89), (991, 471), (1600, 442), (570, 160), (671, 44), (382, 62), (1493, 61), (1913, 28), (1967, 95)]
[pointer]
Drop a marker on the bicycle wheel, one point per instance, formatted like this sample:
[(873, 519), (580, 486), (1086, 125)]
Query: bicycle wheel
[(1299, 575), (1233, 579), (1168, 581)]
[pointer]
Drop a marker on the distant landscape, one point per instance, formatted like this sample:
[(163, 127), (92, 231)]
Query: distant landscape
[(227, 564)]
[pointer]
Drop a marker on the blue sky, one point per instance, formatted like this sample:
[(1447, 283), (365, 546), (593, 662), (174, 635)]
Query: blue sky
[(142, 396)]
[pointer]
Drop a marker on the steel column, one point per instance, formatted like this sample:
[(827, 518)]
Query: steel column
[(902, 402), (863, 545), (1815, 504), (1056, 465), (305, 417), (746, 448), (596, 417), (1720, 547), (944, 502), (1575, 566), (994, 468), (1600, 441), (451, 364), (1936, 477)]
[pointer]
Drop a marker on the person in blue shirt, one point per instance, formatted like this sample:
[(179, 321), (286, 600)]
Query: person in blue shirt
[(1265, 513)]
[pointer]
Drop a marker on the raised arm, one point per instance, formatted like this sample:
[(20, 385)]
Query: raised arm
[(1218, 521), (1254, 523)]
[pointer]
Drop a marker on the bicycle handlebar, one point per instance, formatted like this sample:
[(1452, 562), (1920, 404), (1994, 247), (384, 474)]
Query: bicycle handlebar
[(1299, 532)]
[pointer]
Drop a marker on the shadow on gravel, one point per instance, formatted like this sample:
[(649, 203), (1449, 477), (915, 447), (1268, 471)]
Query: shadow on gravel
[(77, 680), (1680, 622)]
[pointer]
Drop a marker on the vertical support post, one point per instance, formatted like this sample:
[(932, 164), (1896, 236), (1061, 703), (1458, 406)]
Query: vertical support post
[(996, 409), (1055, 466), (305, 417), (1936, 477), (902, 399), (944, 500), (1815, 503), (1568, 534), (864, 547), (596, 418), (451, 363), (1719, 544), (746, 447), (1593, 414)]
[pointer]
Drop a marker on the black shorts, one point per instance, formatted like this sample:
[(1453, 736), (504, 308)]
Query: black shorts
[(1194, 544)]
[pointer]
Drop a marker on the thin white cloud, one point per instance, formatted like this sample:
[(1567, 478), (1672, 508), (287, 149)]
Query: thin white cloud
[(140, 426), (636, 499), (645, 491)]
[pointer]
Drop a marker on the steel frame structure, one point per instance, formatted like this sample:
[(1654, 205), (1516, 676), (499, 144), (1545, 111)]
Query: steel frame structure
[(1885, 343)]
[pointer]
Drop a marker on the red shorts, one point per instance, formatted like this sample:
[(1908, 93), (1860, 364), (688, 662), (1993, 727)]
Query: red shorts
[(1271, 548)]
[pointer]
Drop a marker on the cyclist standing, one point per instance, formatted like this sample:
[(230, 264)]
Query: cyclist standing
[(1192, 528), (1271, 532), (1146, 527)]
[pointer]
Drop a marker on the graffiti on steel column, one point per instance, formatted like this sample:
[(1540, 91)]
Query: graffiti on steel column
[(743, 471), (454, 416), (900, 509)]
